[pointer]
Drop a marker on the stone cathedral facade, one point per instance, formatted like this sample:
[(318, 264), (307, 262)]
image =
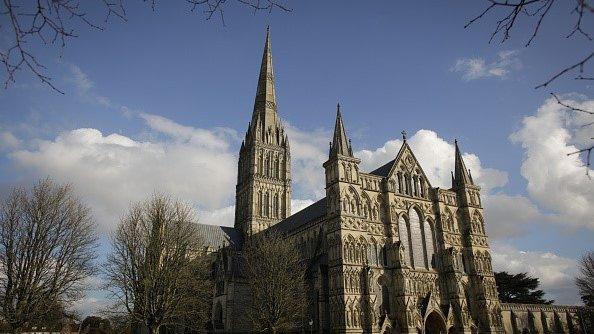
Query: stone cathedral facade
[(388, 252)]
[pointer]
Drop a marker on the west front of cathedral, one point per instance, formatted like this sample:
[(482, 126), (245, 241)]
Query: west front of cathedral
[(388, 252)]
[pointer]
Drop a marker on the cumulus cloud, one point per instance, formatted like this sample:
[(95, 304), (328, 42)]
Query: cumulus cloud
[(511, 215), (198, 165), (556, 180), (555, 272), (477, 68), (110, 171), (436, 157), (508, 215), (221, 216), (309, 150), (225, 216)]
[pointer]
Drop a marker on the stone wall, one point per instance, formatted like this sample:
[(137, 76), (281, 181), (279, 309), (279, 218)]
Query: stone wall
[(539, 318)]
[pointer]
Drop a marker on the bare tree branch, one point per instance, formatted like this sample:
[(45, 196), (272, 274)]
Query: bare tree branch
[(47, 250), (585, 280), (53, 22), (218, 6), (45, 22), (579, 65), (275, 273), (580, 7), (514, 10), (571, 107), (157, 269)]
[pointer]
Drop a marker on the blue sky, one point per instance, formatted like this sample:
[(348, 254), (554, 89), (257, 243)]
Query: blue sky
[(162, 101)]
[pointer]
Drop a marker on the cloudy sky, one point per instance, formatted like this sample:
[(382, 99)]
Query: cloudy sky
[(162, 101)]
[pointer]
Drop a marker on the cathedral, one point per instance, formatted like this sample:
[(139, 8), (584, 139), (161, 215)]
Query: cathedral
[(390, 253)]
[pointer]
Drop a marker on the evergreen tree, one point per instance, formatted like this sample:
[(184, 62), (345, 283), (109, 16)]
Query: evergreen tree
[(519, 288)]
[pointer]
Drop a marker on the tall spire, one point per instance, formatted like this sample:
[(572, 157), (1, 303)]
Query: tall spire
[(461, 174), (340, 142), (265, 104)]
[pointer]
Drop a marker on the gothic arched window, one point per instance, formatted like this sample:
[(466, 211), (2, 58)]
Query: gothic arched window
[(261, 203), (416, 238), (267, 204), (429, 244), (276, 206), (404, 239)]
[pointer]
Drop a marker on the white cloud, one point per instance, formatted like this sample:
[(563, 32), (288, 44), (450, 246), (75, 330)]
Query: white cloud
[(8, 141), (556, 180), (309, 150), (225, 216), (555, 272), (91, 305), (199, 166), (222, 216), (476, 68), (85, 87), (507, 215), (511, 215), (436, 157), (300, 204), (110, 171)]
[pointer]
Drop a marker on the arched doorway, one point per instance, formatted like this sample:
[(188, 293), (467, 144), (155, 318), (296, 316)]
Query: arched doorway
[(434, 324)]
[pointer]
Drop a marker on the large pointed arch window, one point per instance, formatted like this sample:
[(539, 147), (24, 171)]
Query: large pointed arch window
[(429, 244), (404, 239), (275, 210), (266, 204), (416, 238)]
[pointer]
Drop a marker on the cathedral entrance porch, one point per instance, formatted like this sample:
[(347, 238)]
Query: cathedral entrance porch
[(434, 324)]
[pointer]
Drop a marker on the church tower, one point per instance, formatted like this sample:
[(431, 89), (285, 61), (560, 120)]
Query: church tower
[(263, 191)]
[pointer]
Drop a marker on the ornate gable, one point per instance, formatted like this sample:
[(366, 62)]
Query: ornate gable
[(406, 162)]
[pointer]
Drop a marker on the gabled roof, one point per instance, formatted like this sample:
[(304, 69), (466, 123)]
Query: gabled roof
[(387, 169), (384, 170), (217, 237), (312, 212)]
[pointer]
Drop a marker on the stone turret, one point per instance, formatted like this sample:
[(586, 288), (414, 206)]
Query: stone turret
[(341, 166), (475, 250)]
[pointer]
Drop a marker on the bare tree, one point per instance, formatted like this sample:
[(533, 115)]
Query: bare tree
[(276, 276), (512, 11), (51, 23), (157, 268), (47, 251), (585, 280)]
